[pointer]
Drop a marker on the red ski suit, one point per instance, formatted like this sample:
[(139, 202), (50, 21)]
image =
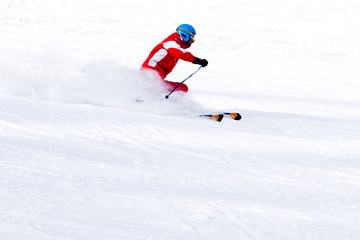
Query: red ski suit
[(164, 57)]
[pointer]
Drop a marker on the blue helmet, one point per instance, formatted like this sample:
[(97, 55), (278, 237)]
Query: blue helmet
[(186, 32)]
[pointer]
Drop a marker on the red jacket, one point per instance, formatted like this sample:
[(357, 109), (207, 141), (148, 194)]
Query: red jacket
[(166, 54)]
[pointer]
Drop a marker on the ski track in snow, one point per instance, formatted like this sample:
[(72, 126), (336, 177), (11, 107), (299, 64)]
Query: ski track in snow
[(81, 159)]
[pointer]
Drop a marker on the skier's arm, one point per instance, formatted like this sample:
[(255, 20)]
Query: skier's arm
[(174, 49), (187, 56)]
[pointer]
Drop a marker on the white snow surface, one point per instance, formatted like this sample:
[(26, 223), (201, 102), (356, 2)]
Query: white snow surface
[(80, 159)]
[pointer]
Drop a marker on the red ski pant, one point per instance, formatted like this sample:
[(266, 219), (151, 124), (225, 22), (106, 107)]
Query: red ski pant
[(172, 85)]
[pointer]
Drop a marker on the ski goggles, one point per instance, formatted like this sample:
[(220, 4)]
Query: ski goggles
[(190, 34)]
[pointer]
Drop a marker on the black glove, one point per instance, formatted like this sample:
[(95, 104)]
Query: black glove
[(202, 62)]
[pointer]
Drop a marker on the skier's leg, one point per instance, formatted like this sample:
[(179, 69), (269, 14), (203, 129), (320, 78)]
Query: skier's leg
[(172, 85)]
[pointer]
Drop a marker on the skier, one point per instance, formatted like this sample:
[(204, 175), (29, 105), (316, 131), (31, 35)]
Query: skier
[(166, 54)]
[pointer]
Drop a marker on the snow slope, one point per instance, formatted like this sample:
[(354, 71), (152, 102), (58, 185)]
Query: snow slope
[(81, 159)]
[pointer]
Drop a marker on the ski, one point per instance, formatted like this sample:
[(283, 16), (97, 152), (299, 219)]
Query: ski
[(233, 115), (219, 117), (216, 117)]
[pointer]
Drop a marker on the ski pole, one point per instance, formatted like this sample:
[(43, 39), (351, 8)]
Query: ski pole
[(167, 96)]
